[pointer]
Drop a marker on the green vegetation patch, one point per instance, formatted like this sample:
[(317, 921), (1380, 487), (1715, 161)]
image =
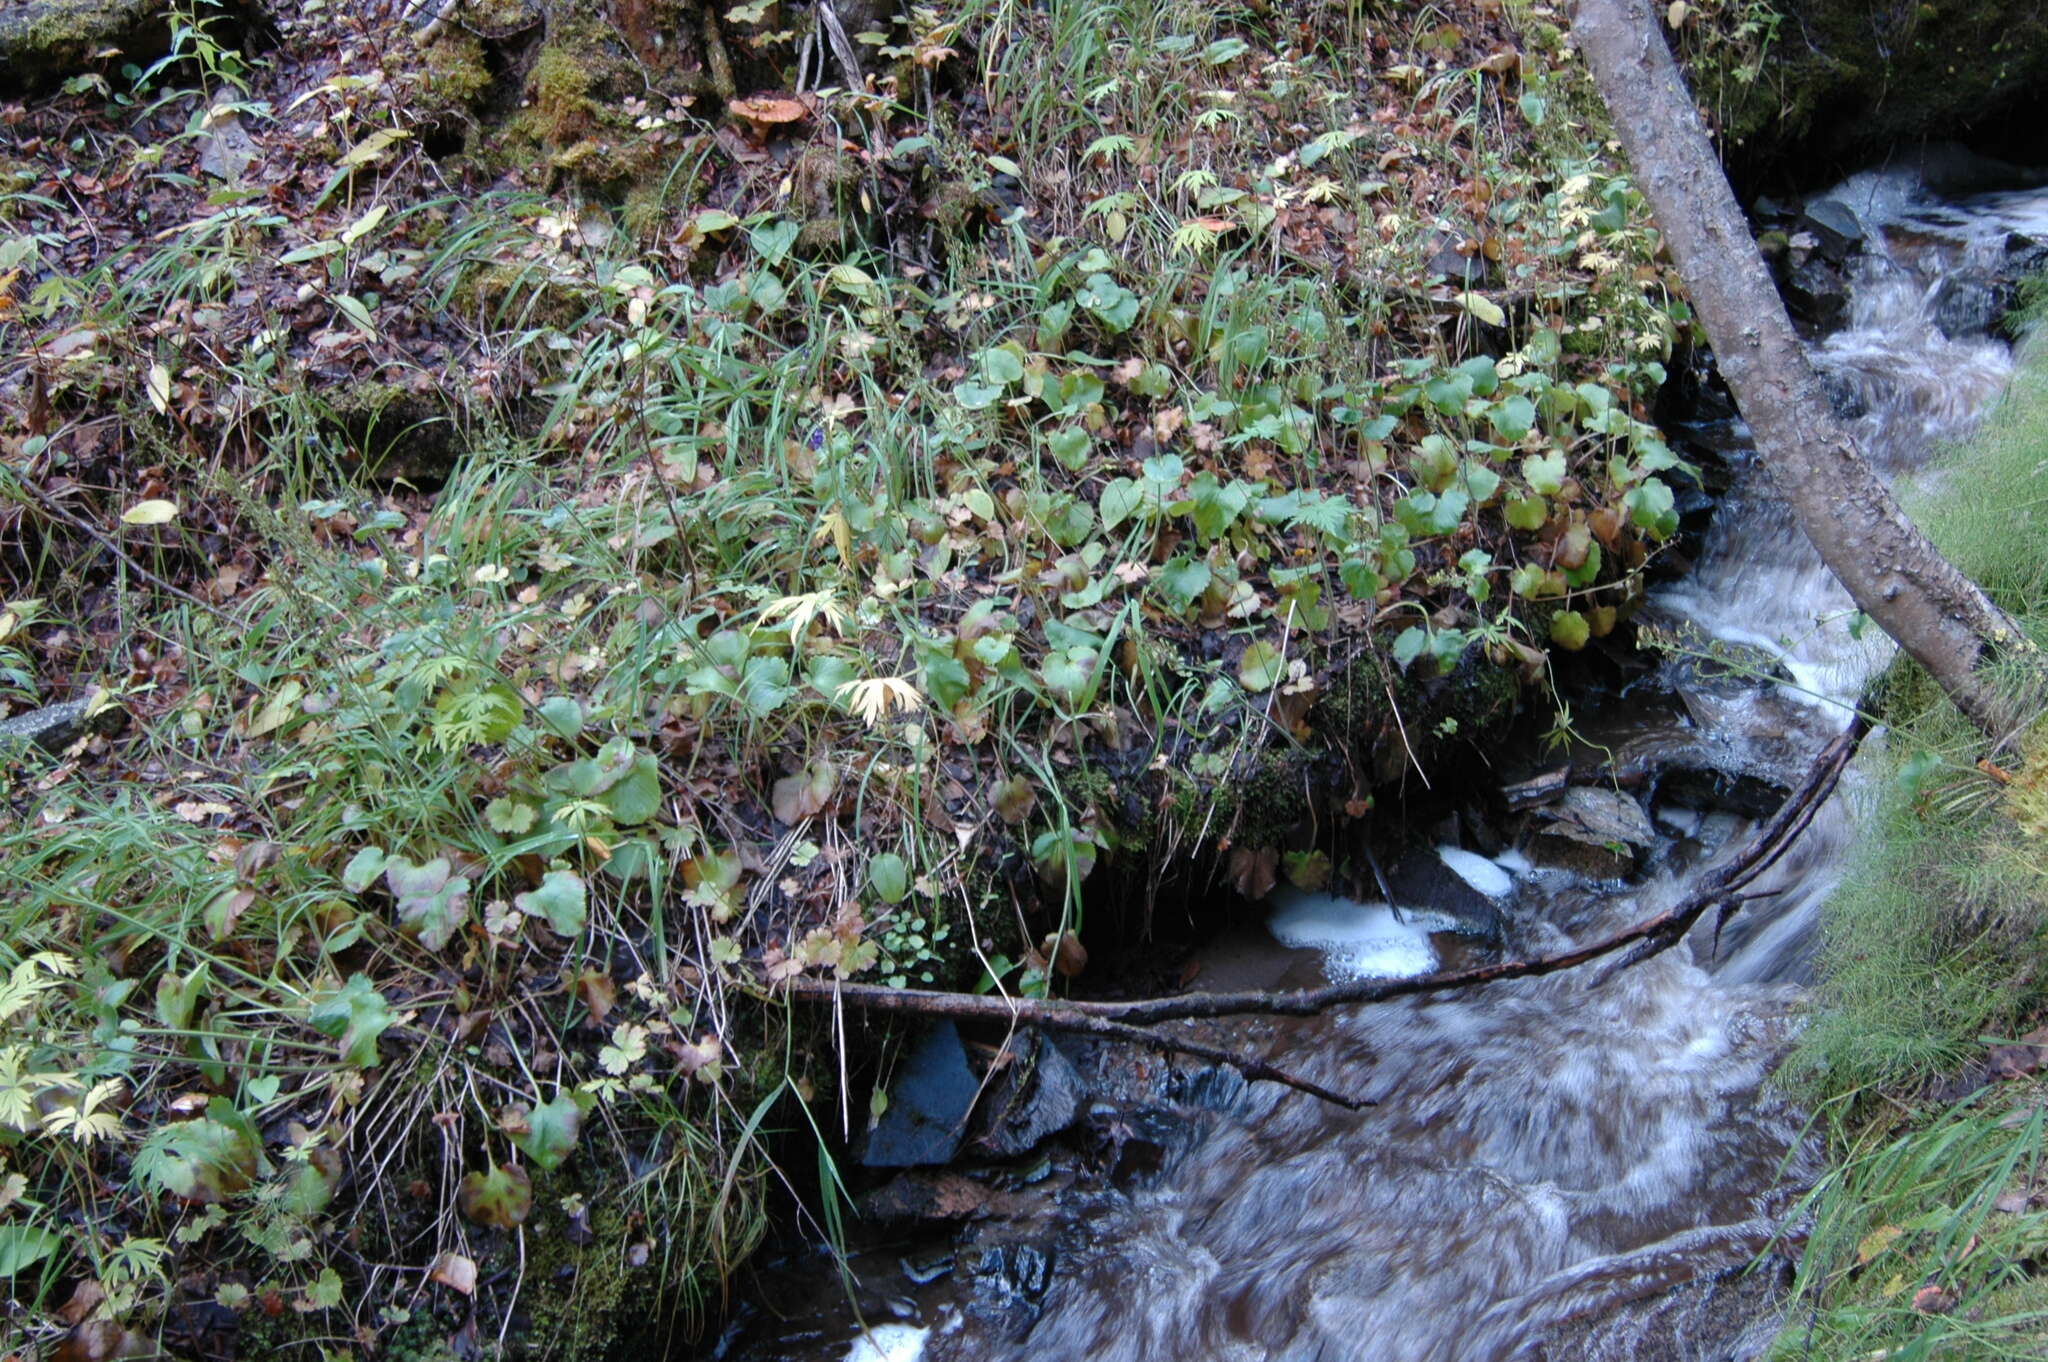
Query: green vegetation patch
[(555, 607), (1932, 1239)]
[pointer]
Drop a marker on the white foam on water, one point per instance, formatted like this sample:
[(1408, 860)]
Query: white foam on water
[(889, 1343), (1358, 940), (1514, 862), (1484, 875)]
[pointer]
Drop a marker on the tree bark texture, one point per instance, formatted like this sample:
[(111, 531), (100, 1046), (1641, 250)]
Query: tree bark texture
[(1896, 577)]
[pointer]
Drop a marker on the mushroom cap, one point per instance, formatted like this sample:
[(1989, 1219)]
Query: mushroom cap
[(764, 111)]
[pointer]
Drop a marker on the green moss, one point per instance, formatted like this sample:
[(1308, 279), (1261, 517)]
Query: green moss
[(42, 42), (560, 86), (453, 78), (577, 1291), (522, 295)]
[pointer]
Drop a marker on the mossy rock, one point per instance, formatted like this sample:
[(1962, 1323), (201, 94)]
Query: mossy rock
[(1846, 82), (521, 295), (45, 42), (396, 433)]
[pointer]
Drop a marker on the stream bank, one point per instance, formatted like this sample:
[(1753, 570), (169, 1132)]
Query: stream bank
[(547, 542), (1582, 1167)]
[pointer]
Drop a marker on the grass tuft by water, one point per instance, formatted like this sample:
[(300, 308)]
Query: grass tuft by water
[(1930, 1237)]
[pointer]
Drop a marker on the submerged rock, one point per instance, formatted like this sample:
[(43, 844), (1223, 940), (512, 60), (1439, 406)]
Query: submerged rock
[(1970, 305)]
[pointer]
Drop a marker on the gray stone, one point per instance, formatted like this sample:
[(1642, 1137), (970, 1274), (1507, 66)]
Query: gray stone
[(56, 727), (1835, 226), (1591, 830), (226, 149), (1454, 265), (928, 1105), (1598, 816)]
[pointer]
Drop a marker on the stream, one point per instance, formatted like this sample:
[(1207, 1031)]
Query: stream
[(1574, 1166)]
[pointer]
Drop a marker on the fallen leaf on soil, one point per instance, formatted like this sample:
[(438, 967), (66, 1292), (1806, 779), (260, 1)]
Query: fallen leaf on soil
[(452, 1269), (84, 1298)]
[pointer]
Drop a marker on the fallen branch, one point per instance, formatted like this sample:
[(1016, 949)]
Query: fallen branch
[(1084, 1025), (1723, 887)]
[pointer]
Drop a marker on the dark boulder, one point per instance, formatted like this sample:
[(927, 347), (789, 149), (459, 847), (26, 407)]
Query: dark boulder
[(928, 1105), (1835, 227), (1817, 296), (1036, 1095)]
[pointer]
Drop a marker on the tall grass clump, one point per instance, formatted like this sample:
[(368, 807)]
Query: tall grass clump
[(1929, 1237)]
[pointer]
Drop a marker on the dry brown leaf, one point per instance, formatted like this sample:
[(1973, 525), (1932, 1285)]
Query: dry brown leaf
[(454, 1270)]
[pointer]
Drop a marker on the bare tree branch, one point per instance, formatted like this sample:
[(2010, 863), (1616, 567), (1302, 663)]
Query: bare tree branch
[(1131, 1021)]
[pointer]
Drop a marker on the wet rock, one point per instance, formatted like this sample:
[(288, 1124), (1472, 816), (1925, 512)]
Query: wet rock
[(1421, 880), (1591, 830), (1816, 294), (1969, 305), (1019, 1270), (928, 1106), (1037, 1095), (55, 727), (2024, 255), (924, 1196), (1837, 231), (1749, 793)]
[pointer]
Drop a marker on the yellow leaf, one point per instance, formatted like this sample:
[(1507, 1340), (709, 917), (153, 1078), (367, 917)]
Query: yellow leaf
[(363, 225), (1876, 1242), (454, 1270), (1675, 15), (373, 146), (1483, 308), (159, 388), (155, 511), (874, 698)]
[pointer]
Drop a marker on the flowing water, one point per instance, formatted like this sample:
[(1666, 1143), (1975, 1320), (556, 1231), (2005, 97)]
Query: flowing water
[(1571, 1166)]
